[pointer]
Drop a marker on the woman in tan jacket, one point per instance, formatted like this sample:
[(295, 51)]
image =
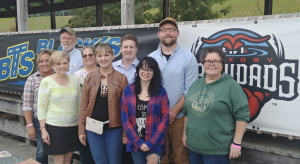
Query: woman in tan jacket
[(100, 101)]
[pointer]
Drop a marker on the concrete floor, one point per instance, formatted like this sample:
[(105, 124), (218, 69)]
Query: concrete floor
[(22, 150)]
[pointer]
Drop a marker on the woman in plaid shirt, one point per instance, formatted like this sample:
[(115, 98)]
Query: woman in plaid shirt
[(145, 114), (30, 95)]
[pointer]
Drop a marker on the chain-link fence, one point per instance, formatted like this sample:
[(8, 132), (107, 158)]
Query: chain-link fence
[(35, 22)]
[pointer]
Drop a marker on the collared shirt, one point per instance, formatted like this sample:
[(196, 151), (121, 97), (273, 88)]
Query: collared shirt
[(76, 62), (130, 72), (30, 94), (156, 123), (178, 73)]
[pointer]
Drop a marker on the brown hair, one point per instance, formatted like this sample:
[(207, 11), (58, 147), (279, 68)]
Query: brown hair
[(44, 51), (104, 48), (129, 37), (92, 48), (57, 56)]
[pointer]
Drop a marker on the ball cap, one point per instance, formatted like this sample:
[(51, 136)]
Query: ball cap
[(169, 20), (69, 30)]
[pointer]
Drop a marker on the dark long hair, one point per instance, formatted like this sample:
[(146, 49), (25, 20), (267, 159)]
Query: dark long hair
[(156, 81)]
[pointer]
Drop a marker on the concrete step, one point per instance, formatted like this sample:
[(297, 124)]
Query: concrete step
[(265, 149), (22, 150)]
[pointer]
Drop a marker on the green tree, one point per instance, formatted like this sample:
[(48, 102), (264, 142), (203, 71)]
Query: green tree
[(182, 10), (189, 10)]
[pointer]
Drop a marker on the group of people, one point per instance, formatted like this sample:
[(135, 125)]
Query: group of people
[(132, 111)]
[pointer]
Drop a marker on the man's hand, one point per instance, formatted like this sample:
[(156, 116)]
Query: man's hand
[(31, 132), (172, 117)]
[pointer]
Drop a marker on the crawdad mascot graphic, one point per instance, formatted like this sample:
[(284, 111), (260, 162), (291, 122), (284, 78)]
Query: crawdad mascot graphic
[(258, 66)]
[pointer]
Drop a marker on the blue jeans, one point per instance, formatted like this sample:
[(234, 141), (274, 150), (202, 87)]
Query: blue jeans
[(86, 154), (106, 148), (196, 158), (140, 157), (40, 157)]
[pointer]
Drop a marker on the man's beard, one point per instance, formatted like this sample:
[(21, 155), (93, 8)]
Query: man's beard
[(168, 44), (67, 49)]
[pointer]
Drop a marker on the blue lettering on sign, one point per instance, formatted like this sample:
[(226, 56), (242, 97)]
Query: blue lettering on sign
[(114, 42), (88, 41), (19, 61), (45, 44), (5, 68), (26, 63)]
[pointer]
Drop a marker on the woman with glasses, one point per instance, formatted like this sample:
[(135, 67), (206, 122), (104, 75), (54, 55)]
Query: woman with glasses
[(89, 61), (216, 112), (145, 114)]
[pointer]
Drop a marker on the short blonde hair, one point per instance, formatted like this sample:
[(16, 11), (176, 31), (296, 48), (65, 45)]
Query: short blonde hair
[(44, 51), (104, 48), (57, 56)]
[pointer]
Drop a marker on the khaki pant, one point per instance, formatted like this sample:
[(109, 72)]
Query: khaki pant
[(174, 134)]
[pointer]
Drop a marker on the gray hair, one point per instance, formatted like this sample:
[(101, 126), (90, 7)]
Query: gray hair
[(217, 50), (90, 47)]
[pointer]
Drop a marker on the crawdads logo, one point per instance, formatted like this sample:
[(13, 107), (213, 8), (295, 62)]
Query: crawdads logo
[(258, 66)]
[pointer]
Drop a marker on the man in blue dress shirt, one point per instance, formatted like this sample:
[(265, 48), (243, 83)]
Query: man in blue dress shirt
[(179, 70)]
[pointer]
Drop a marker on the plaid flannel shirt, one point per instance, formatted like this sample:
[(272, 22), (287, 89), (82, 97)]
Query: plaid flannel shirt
[(156, 123), (30, 94)]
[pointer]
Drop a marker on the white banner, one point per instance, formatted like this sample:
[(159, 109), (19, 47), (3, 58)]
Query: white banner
[(263, 56)]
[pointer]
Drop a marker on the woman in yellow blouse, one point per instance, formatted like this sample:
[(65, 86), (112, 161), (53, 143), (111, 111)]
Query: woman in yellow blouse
[(58, 107)]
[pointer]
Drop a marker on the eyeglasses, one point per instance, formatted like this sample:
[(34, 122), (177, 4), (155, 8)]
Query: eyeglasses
[(143, 70), (90, 55), (214, 62), (168, 29)]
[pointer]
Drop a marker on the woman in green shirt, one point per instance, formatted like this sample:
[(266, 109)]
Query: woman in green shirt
[(58, 110), (216, 112)]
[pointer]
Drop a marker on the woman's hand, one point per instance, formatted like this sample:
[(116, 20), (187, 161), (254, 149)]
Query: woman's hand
[(45, 136), (234, 152), (31, 132), (124, 140), (184, 140), (82, 138), (144, 147)]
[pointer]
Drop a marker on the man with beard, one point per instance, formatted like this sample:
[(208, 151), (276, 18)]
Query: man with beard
[(179, 70), (68, 41)]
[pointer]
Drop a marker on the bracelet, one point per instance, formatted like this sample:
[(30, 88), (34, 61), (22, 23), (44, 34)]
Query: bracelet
[(233, 145), (236, 144), (29, 125), (42, 128)]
